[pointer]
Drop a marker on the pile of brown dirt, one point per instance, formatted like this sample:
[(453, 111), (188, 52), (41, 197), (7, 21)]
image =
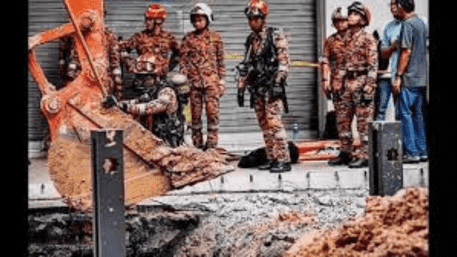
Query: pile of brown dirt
[(391, 226), (187, 165)]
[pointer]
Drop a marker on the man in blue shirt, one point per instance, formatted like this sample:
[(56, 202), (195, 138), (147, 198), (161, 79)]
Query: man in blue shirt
[(390, 45), (410, 81)]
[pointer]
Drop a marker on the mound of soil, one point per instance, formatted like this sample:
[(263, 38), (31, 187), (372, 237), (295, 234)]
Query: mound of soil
[(391, 226)]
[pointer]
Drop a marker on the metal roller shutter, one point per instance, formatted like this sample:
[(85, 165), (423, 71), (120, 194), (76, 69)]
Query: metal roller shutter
[(297, 17), (43, 14)]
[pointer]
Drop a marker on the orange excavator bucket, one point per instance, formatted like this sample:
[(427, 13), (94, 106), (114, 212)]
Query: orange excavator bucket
[(151, 168)]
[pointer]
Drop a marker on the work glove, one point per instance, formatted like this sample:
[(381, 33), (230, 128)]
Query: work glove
[(240, 97), (109, 101), (241, 83), (144, 98)]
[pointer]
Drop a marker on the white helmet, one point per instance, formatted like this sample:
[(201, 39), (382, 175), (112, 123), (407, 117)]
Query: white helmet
[(203, 9)]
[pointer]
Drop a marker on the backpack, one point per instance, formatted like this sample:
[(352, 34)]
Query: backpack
[(259, 157)]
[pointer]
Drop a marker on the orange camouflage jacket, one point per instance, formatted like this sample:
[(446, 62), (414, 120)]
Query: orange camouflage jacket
[(152, 48), (202, 58), (361, 55), (333, 55)]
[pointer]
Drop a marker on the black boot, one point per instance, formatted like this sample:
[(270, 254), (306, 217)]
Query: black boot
[(342, 159), (280, 167), (359, 163)]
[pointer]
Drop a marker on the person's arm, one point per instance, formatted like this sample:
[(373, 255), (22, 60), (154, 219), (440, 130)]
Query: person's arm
[(282, 56), (387, 47), (159, 105), (242, 81), (403, 61), (372, 60), (183, 59), (129, 44), (220, 64), (114, 57), (386, 53), (325, 67), (405, 55), (174, 58)]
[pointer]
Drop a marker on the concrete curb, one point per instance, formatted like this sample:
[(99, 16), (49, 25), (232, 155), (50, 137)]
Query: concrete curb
[(304, 176)]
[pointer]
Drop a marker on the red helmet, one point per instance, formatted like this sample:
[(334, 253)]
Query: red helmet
[(156, 11), (257, 8)]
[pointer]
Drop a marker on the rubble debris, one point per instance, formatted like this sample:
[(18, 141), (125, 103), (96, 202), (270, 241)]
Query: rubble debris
[(149, 232), (241, 224), (265, 224), (391, 226)]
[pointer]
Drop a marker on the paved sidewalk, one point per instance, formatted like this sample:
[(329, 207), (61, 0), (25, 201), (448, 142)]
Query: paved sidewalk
[(304, 176)]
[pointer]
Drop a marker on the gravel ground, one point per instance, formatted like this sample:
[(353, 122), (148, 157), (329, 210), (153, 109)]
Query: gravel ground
[(248, 224), (265, 224)]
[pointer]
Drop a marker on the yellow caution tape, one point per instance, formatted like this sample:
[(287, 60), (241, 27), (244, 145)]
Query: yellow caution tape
[(295, 63), (304, 64)]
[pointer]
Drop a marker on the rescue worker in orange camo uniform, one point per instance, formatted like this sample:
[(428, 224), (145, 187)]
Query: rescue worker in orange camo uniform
[(165, 107), (202, 60), (361, 58), (153, 46), (70, 67), (334, 67), (333, 60), (268, 49)]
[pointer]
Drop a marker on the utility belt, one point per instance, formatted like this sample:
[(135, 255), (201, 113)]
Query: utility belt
[(272, 91), (358, 97), (355, 74)]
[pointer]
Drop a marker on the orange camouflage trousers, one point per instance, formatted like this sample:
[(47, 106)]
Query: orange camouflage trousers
[(208, 96), (345, 108), (268, 113)]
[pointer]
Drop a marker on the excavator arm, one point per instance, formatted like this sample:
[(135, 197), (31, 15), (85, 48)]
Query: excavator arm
[(151, 167)]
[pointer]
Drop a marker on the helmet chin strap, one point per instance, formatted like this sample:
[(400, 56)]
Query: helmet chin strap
[(156, 28)]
